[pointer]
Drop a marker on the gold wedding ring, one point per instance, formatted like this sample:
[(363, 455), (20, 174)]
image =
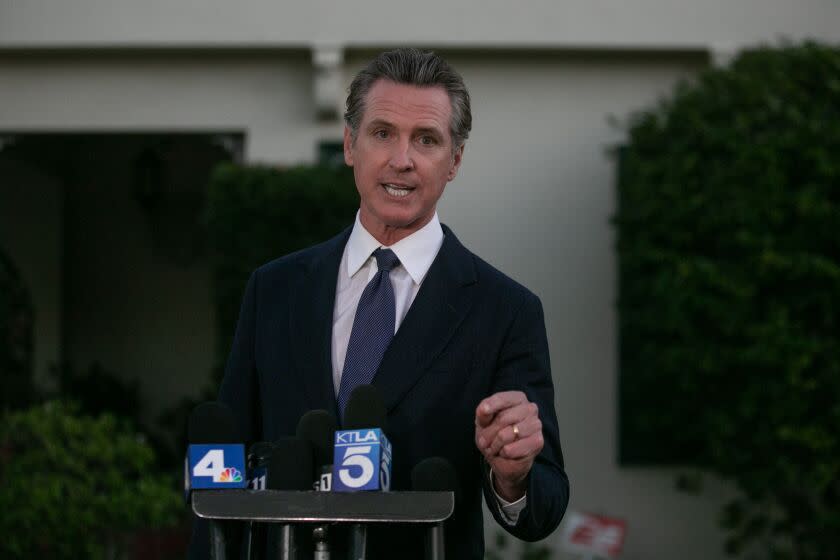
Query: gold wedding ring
[(515, 431)]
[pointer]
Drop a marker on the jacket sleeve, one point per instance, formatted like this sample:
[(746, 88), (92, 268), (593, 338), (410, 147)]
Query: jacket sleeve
[(524, 365)]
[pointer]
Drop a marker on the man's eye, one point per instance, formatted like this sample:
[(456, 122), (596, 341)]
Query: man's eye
[(381, 134), (428, 140)]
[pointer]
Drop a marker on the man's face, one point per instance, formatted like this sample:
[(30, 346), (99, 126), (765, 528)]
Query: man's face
[(402, 157)]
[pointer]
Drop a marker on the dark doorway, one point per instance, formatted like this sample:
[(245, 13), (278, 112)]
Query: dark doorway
[(106, 230)]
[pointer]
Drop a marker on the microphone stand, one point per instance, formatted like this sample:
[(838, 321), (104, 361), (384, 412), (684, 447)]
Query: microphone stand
[(218, 544), (281, 510), (286, 547), (358, 542), (434, 542), (319, 535)]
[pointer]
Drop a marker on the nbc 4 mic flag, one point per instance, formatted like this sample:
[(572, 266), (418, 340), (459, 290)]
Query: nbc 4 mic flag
[(216, 466)]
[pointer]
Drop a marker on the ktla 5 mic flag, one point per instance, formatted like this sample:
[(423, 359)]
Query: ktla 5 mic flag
[(593, 534), (362, 461)]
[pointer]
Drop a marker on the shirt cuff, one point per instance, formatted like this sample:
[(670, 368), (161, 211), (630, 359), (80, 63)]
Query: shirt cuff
[(510, 510)]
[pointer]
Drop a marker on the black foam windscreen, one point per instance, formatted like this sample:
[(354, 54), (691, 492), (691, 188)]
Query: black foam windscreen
[(434, 474), (290, 465), (366, 409), (259, 453), (212, 422), (318, 428)]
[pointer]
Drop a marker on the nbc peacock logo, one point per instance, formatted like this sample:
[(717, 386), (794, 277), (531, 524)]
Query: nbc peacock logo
[(230, 474)]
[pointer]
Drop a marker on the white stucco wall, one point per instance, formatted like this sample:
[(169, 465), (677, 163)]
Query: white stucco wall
[(473, 23), (268, 95)]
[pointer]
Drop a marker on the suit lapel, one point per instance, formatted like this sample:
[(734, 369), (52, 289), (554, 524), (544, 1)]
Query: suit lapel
[(438, 309), (311, 321)]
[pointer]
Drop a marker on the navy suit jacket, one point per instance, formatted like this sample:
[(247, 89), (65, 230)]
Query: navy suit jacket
[(470, 332)]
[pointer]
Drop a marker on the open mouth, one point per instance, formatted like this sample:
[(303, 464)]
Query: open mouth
[(398, 191)]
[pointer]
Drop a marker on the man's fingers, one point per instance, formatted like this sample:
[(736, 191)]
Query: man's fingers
[(506, 419), (488, 408), (513, 432), (508, 433), (516, 414), (523, 448)]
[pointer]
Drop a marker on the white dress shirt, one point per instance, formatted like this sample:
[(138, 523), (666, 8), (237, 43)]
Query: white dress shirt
[(358, 265)]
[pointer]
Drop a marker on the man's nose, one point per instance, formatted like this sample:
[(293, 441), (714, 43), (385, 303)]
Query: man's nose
[(401, 157)]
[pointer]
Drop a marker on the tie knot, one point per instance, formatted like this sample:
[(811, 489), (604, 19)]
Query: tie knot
[(386, 259)]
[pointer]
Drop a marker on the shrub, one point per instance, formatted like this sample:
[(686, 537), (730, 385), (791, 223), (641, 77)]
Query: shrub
[(71, 484), (729, 298)]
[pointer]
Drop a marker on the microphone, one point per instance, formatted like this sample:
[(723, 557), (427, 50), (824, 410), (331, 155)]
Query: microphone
[(289, 467), (362, 456), (258, 456), (214, 461), (435, 474), (365, 408), (318, 428)]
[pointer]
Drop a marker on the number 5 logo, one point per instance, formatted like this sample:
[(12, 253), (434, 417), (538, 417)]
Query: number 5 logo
[(212, 464), (356, 456)]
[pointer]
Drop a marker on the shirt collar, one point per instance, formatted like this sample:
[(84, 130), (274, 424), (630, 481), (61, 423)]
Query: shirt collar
[(416, 252)]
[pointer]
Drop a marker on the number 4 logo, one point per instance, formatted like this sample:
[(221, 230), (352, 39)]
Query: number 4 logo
[(212, 464)]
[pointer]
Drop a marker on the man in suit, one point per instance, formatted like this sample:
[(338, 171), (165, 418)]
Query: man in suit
[(457, 349)]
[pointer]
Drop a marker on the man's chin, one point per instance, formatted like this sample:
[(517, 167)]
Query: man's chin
[(394, 226)]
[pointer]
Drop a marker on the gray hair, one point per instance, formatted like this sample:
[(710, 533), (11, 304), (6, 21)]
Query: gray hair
[(417, 68)]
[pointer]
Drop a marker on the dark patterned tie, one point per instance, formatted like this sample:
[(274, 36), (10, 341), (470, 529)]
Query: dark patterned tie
[(373, 329)]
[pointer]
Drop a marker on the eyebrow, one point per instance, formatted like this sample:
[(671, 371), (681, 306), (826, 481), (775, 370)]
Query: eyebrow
[(379, 122), (421, 130), (429, 130)]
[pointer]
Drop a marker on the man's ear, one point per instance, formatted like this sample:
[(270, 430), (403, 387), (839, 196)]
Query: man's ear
[(456, 162), (348, 146)]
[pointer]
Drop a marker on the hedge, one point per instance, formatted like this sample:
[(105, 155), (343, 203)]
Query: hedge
[(73, 485), (256, 214), (729, 291)]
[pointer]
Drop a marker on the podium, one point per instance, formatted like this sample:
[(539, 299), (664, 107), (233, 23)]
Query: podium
[(294, 507)]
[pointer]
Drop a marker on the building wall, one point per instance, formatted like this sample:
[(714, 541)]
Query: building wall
[(266, 95), (534, 197), (472, 23)]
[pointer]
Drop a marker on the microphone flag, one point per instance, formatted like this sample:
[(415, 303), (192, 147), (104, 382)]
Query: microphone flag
[(216, 466), (362, 461)]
